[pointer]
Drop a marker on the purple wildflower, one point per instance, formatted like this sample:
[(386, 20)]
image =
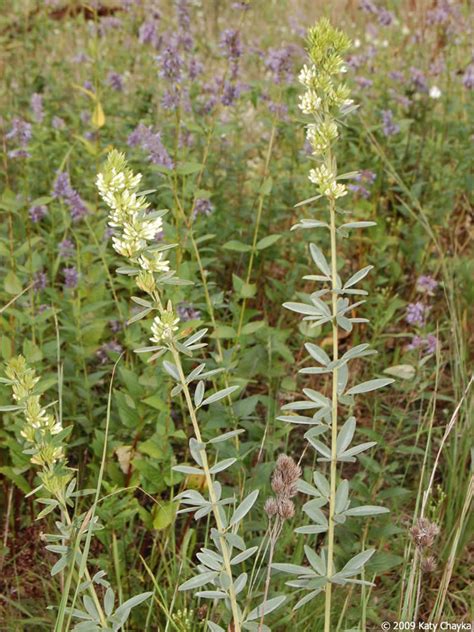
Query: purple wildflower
[(20, 132), (368, 6), (66, 248), (37, 107), (150, 142), (231, 45), (63, 190), (418, 79), (148, 33), (431, 343), (202, 206), (416, 314), (115, 81), (426, 284), (230, 93), (104, 350), (363, 82), (171, 64), (279, 63), (195, 68), (186, 311), (88, 86), (40, 280), (71, 277), (37, 213), (468, 77), (389, 126), (396, 75), (115, 326), (58, 122), (171, 99), (385, 17)]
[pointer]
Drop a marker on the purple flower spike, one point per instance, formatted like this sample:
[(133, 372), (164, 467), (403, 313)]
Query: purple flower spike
[(37, 107), (66, 249), (417, 313), (71, 277), (390, 128), (37, 213), (426, 284), (115, 81)]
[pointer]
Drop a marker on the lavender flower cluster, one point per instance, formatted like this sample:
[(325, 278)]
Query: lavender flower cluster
[(417, 314), (63, 190)]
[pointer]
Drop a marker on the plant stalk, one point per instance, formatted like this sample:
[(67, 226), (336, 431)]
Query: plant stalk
[(333, 468)]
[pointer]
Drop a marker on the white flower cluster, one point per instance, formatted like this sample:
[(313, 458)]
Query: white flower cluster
[(164, 325), (310, 103), (118, 187), (326, 181), (321, 136)]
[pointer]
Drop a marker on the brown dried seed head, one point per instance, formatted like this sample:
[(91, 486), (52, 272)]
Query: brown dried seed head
[(271, 507), (424, 532), (285, 476), (428, 564), (286, 509)]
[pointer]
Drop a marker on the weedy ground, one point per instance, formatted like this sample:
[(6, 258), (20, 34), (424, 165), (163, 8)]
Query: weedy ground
[(230, 155)]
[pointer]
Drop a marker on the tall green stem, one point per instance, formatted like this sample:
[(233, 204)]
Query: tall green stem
[(210, 486), (333, 469)]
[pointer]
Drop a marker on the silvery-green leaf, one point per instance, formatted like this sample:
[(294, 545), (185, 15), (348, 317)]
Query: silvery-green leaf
[(195, 373), (320, 260), (219, 395), (370, 385), (222, 465), (316, 562), (310, 223), (192, 495), (266, 607), (59, 565), (302, 308), (358, 561), (199, 394), (211, 594), (357, 449), (109, 601), (139, 316), (213, 562), (319, 398), (235, 540), (358, 276), (308, 201), (314, 370), (89, 605), (187, 469), (317, 353), (240, 583), (225, 436), (293, 569), (198, 580), (213, 627), (307, 598), (366, 510), (195, 447), (244, 507), (312, 529), (342, 378), (203, 511), (300, 405), (322, 483), (297, 419), (321, 305), (251, 626), (403, 371), (344, 323), (358, 225), (342, 495), (345, 435), (358, 351), (195, 337), (320, 447), (311, 509), (171, 369), (305, 488), (241, 557)]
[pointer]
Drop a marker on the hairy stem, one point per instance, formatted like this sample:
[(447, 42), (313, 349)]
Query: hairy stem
[(212, 495), (333, 469)]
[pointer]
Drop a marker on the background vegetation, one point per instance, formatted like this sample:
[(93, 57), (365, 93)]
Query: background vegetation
[(202, 96)]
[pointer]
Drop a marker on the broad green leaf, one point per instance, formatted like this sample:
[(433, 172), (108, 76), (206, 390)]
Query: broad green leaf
[(251, 328), (267, 241), (12, 283), (238, 246), (402, 371), (366, 510)]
